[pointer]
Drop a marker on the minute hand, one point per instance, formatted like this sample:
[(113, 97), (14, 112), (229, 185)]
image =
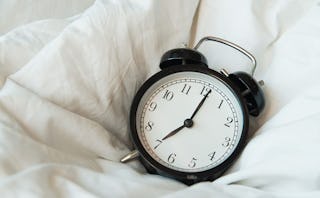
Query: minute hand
[(200, 104)]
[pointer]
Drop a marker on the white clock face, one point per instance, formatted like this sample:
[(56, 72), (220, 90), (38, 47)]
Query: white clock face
[(200, 143)]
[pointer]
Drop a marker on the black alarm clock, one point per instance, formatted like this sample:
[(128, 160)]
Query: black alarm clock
[(189, 122)]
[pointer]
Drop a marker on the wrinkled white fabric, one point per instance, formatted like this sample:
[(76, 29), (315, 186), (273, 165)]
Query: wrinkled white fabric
[(69, 71)]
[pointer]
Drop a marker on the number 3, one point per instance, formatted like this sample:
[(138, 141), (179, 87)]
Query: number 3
[(226, 142)]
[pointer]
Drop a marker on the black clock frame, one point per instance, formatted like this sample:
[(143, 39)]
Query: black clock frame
[(189, 178)]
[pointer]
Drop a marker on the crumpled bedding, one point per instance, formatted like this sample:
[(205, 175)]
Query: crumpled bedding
[(69, 71)]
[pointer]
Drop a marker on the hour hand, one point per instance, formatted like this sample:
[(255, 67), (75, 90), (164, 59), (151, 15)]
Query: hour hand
[(187, 123), (173, 132)]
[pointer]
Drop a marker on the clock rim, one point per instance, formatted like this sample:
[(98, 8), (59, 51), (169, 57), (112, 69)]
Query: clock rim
[(151, 164)]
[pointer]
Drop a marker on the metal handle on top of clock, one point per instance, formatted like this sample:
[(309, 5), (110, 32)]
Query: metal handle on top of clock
[(233, 45)]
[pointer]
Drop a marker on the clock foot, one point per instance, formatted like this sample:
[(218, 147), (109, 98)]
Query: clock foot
[(130, 156)]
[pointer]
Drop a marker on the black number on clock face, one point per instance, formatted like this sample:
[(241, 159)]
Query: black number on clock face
[(226, 142), (192, 163), (159, 142), (229, 121), (149, 126), (172, 158), (168, 95), (186, 89), (211, 155), (220, 104), (205, 90), (152, 106)]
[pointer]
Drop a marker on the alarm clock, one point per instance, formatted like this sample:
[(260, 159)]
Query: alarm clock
[(189, 122)]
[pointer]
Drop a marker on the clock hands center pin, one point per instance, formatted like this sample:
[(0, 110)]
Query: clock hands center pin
[(188, 122)]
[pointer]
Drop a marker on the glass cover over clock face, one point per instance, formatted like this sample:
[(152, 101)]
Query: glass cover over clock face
[(189, 121)]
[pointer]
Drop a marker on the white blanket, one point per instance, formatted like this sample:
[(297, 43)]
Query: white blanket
[(69, 71)]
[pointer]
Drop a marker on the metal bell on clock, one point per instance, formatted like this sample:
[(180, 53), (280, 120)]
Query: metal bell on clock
[(247, 85)]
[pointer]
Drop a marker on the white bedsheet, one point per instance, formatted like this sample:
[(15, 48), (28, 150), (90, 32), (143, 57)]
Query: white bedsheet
[(69, 70)]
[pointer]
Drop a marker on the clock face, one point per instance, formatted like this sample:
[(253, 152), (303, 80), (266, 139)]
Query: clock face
[(189, 121)]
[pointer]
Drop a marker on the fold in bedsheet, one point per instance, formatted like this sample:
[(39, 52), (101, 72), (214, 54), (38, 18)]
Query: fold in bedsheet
[(68, 75)]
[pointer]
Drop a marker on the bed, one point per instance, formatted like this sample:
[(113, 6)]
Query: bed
[(69, 71)]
